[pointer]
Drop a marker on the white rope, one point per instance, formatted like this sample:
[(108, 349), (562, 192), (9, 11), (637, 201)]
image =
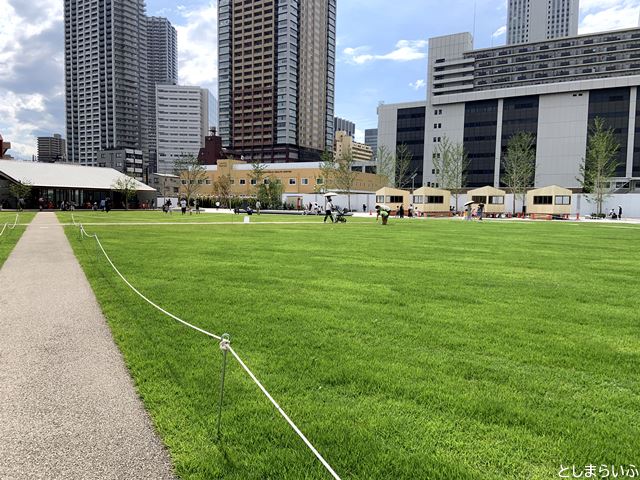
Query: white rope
[(82, 230), (284, 415), (11, 227), (224, 345)]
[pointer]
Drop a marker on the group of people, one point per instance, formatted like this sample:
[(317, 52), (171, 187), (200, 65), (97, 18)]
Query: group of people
[(469, 212), (613, 215)]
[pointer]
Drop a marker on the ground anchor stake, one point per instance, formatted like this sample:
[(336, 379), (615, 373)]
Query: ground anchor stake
[(224, 346)]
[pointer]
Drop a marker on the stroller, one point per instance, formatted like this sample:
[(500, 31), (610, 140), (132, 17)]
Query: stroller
[(339, 216)]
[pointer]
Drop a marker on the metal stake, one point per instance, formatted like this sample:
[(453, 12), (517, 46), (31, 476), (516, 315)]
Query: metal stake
[(224, 346)]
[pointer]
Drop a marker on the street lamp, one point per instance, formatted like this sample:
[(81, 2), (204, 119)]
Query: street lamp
[(413, 177)]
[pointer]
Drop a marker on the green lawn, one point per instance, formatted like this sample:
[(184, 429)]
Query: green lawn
[(10, 237), (424, 349), (158, 216)]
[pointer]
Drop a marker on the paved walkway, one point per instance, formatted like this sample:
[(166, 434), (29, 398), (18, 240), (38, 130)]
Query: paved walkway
[(68, 407)]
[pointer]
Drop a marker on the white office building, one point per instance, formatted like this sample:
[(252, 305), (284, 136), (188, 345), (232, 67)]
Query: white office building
[(538, 20), (553, 89), (182, 119)]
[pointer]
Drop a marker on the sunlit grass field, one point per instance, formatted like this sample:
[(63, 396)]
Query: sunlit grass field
[(423, 349), (157, 216), (10, 236)]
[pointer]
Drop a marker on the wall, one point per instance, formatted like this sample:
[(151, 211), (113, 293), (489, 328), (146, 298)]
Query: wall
[(562, 138)]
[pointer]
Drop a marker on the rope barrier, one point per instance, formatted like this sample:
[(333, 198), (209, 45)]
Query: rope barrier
[(11, 227), (224, 346)]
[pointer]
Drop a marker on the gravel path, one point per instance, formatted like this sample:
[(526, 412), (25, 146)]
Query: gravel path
[(68, 407)]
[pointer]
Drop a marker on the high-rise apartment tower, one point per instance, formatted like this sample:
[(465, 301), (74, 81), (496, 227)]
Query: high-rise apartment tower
[(531, 21), (163, 70), (52, 149), (276, 78), (105, 76)]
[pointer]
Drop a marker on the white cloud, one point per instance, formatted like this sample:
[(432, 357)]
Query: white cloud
[(418, 84), (198, 46), (499, 32), (603, 15), (405, 51), (32, 66)]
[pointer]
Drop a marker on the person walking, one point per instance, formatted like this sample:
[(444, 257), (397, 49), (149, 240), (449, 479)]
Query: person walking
[(364, 208), (401, 211), (480, 211), (619, 212), (468, 211), (328, 210), (258, 205), (183, 206)]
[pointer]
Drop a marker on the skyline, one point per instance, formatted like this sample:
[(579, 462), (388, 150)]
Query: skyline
[(381, 54)]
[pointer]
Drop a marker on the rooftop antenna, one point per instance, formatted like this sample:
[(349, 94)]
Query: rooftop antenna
[(474, 18)]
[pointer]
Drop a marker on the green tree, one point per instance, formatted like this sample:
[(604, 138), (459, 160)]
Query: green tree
[(402, 166), (222, 189), (192, 173), (21, 190), (126, 186), (519, 164), (257, 174), (385, 165), (270, 193), (450, 162), (600, 163), (328, 170), (345, 176)]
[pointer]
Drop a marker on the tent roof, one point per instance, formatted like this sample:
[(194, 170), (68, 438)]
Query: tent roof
[(59, 175), (430, 191), (550, 190), (391, 191), (487, 190)]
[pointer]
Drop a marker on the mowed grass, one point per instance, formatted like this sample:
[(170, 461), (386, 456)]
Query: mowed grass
[(10, 236), (420, 350), (157, 216)]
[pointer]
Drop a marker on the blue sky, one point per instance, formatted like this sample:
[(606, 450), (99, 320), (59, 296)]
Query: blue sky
[(381, 52)]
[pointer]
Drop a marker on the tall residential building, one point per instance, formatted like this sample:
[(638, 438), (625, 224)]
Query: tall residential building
[(346, 145), (276, 78), (182, 123), (371, 139), (553, 89), (105, 77), (52, 149), (537, 20), (342, 125), (163, 70)]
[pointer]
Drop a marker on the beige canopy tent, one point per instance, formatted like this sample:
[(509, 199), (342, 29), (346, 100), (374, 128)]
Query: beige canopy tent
[(493, 198), (393, 197), (552, 200), (432, 200)]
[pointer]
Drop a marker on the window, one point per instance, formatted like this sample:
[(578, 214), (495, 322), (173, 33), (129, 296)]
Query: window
[(480, 199), (435, 199), (266, 181), (253, 181), (207, 182), (319, 181), (496, 200), (305, 181), (292, 181), (232, 181), (563, 200), (418, 199), (199, 182), (243, 181), (395, 199), (184, 182), (175, 190), (379, 199), (542, 200)]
